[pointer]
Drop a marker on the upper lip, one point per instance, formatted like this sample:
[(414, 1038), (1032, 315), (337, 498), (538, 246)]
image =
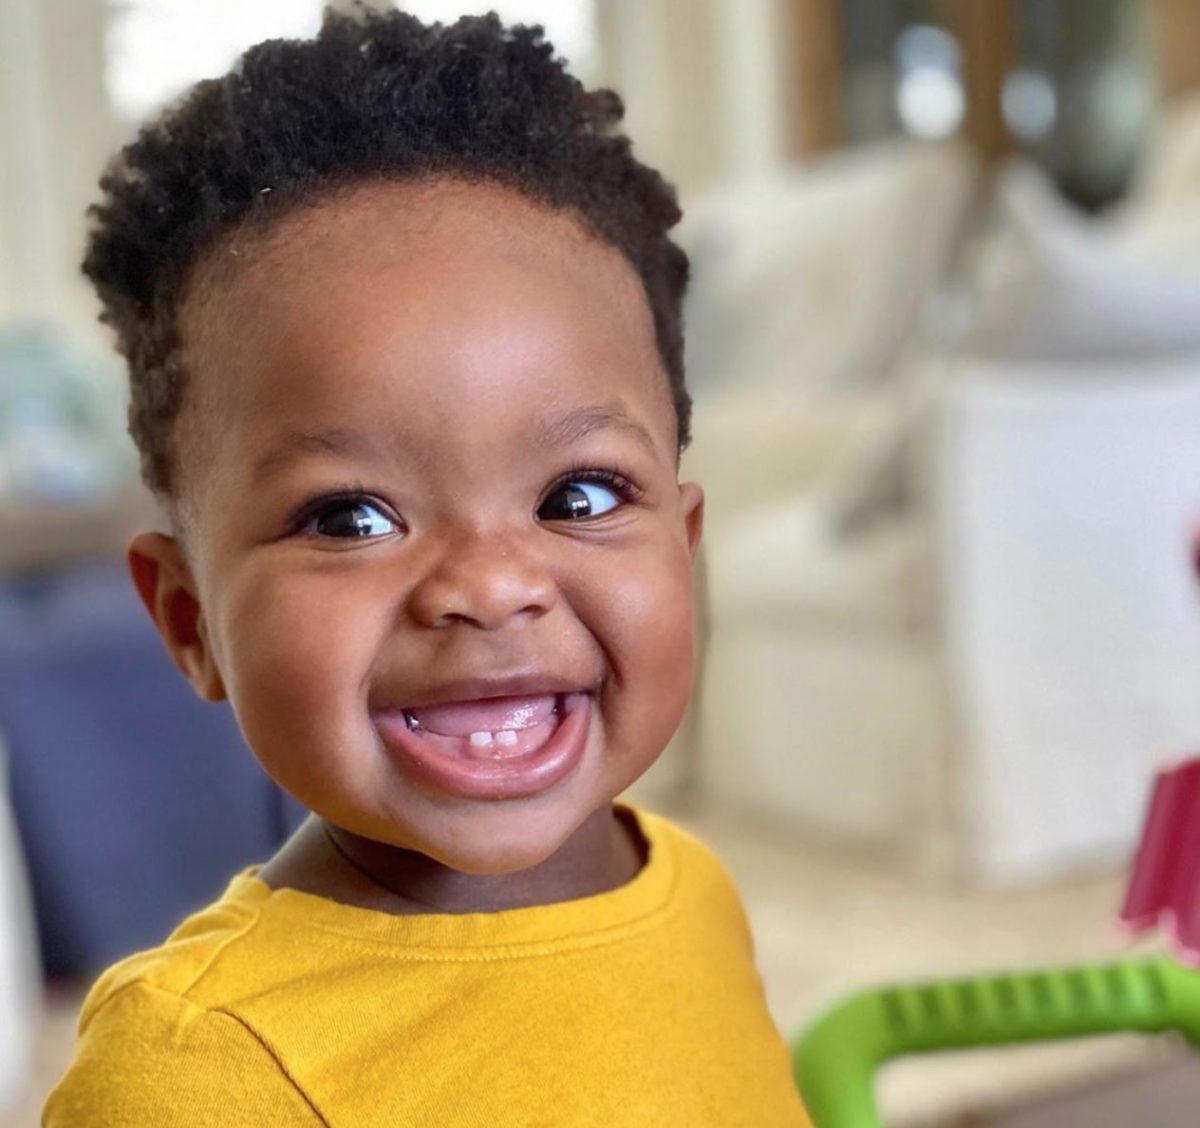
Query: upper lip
[(483, 688)]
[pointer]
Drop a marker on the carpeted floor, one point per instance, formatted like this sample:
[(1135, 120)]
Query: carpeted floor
[(1162, 1098)]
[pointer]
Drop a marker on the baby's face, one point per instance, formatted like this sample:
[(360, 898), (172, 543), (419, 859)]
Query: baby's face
[(442, 558)]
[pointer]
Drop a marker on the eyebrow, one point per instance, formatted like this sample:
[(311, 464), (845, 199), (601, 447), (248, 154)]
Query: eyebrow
[(296, 444), (577, 424), (562, 430)]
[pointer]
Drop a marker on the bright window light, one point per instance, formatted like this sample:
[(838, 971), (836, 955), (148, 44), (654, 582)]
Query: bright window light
[(156, 49), (931, 103), (570, 24), (930, 99)]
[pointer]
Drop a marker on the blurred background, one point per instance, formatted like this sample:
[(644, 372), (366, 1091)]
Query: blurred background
[(944, 342)]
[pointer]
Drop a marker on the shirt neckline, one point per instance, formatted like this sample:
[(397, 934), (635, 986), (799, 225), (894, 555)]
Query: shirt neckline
[(597, 918)]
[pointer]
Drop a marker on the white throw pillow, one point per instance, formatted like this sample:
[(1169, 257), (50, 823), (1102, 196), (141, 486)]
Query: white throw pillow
[(816, 276), (1061, 287)]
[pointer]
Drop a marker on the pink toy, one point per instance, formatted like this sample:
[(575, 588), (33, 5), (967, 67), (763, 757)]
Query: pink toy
[(1164, 887)]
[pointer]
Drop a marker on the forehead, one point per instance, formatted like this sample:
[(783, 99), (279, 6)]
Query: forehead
[(443, 287), (418, 259)]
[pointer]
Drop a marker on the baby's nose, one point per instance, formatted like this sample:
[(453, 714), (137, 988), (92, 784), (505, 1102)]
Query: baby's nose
[(483, 582)]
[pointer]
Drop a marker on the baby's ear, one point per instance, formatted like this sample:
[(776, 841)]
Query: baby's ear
[(691, 498), (164, 581)]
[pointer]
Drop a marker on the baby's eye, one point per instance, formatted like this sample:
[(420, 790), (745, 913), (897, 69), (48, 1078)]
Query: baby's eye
[(350, 517), (572, 500)]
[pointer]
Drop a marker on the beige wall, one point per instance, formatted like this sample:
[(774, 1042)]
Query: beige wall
[(83, 137), (25, 227), (56, 132), (704, 84)]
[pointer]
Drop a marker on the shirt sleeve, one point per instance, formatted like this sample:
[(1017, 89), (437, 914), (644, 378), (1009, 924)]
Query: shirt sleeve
[(149, 1058)]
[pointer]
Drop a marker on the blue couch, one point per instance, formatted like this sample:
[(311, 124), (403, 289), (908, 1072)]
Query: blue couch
[(135, 802)]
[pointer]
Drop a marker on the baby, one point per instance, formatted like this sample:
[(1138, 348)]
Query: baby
[(403, 327)]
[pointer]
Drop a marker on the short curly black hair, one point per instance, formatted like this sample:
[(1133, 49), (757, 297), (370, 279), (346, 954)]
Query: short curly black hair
[(375, 95)]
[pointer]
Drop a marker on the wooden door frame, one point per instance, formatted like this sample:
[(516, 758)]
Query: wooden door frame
[(1174, 25), (814, 33)]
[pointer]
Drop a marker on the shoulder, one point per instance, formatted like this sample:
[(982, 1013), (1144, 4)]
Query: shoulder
[(184, 959), (688, 852), (155, 1048), (147, 1056), (704, 882)]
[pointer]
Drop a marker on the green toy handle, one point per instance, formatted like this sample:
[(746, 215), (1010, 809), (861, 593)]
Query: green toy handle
[(836, 1059)]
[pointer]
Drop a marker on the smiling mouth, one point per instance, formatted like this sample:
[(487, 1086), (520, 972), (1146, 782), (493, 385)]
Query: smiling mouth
[(496, 728), (490, 748)]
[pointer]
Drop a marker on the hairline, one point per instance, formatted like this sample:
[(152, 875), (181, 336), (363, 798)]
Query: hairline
[(219, 266)]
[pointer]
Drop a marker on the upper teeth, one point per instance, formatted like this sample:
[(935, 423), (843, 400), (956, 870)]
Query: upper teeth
[(485, 739)]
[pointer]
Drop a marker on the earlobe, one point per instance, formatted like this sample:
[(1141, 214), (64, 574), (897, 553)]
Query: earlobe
[(164, 582), (691, 497)]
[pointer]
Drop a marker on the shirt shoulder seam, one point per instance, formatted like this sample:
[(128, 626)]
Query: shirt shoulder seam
[(283, 1069), (154, 989), (243, 930)]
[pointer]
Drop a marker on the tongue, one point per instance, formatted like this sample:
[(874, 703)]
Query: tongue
[(490, 715)]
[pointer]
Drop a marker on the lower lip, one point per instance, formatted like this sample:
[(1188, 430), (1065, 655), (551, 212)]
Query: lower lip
[(513, 778)]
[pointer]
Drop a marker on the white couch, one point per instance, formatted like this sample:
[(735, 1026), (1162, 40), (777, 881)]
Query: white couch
[(856, 242), (1063, 504), (951, 616)]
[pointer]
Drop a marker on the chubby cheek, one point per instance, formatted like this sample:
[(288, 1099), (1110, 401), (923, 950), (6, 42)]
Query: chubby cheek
[(296, 684), (648, 631)]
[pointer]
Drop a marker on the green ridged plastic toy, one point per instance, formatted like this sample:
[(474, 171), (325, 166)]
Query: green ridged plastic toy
[(836, 1059)]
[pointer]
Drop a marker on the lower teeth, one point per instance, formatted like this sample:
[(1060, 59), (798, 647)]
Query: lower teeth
[(414, 725)]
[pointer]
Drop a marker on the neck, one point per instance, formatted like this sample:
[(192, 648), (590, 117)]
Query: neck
[(604, 853)]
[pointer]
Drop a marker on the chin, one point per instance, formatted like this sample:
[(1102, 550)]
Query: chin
[(494, 863), (494, 852)]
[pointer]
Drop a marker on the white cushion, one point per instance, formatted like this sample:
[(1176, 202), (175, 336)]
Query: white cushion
[(815, 276), (1060, 287), (783, 567)]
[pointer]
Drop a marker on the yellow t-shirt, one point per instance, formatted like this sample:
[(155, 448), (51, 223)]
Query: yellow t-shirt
[(640, 1006)]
